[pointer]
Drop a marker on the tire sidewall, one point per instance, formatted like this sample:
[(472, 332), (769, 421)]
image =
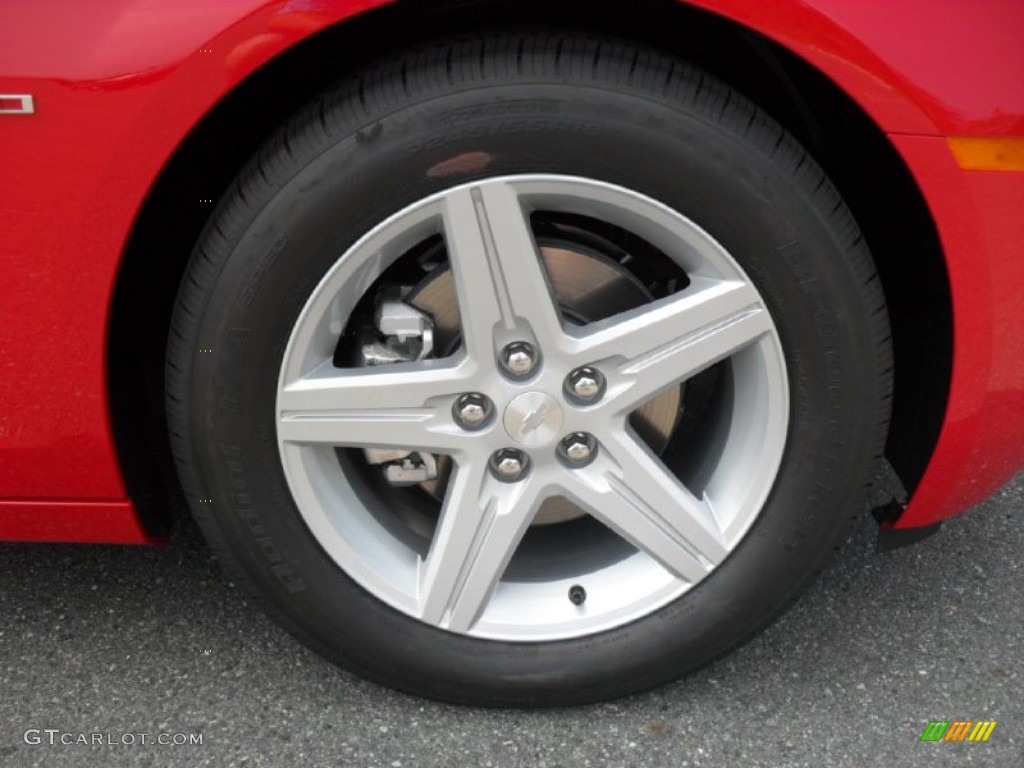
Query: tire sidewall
[(738, 188)]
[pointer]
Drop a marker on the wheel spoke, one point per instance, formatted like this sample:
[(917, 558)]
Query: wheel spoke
[(482, 522), (501, 284), (635, 495), (382, 408), (675, 338)]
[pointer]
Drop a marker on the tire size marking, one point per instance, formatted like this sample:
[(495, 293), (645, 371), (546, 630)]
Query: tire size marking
[(831, 449), (505, 127), (259, 266), (244, 509), (497, 109), (236, 341)]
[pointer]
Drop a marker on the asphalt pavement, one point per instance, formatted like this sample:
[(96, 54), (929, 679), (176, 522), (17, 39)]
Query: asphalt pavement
[(103, 643)]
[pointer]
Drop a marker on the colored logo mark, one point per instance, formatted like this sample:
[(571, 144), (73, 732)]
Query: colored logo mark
[(958, 730)]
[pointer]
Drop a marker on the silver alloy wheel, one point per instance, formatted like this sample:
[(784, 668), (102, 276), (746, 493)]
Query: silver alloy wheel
[(457, 581)]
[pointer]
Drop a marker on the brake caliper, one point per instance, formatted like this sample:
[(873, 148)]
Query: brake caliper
[(401, 334)]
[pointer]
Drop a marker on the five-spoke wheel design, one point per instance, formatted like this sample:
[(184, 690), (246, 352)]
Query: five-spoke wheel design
[(528, 404)]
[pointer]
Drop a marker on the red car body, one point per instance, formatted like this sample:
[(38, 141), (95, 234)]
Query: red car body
[(119, 85)]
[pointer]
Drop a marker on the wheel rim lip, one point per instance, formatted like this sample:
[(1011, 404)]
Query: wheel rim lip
[(520, 611)]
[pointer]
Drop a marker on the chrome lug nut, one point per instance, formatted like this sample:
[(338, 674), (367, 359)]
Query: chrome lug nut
[(578, 449), (509, 465), (519, 358), (585, 385), (472, 410)]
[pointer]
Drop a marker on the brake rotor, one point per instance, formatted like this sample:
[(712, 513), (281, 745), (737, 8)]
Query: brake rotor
[(588, 287)]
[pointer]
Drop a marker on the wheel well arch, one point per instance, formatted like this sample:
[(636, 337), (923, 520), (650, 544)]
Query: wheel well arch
[(854, 152)]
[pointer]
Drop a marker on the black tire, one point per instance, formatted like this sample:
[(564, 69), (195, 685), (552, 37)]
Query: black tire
[(546, 103)]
